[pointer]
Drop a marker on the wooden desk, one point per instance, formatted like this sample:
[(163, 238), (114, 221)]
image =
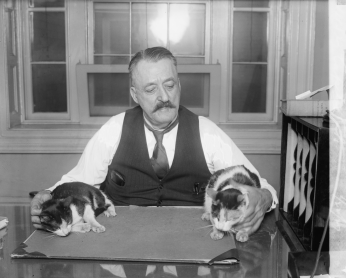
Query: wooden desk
[(259, 257)]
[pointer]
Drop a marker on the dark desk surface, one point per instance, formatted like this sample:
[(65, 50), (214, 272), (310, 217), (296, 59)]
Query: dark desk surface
[(259, 257)]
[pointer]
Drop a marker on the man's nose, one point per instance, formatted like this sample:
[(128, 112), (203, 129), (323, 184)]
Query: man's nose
[(163, 95)]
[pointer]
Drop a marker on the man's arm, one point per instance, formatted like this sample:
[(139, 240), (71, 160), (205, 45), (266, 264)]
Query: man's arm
[(92, 167), (221, 152), (36, 205)]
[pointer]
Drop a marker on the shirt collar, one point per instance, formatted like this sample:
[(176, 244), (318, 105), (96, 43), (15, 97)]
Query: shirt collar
[(159, 129)]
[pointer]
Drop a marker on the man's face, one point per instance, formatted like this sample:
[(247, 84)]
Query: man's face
[(157, 90)]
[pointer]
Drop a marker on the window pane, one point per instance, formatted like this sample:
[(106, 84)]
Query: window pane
[(108, 89), (249, 87), (12, 78), (48, 37), (149, 26), (47, 3), (251, 3), (11, 32), (112, 28), (250, 37), (49, 88), (108, 60), (187, 28), (195, 89)]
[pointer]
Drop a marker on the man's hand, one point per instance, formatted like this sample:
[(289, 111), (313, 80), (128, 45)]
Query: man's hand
[(36, 205), (260, 201)]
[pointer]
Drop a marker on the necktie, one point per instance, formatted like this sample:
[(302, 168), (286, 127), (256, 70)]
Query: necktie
[(159, 160)]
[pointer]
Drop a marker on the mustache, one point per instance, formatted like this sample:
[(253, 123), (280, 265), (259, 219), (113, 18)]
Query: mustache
[(160, 105)]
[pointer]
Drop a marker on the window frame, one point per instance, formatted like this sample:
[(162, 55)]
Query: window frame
[(271, 98), (71, 136), (30, 116)]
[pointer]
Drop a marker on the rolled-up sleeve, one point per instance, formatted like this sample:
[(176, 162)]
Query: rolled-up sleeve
[(93, 165)]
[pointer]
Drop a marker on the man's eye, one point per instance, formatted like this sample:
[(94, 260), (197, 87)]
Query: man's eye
[(170, 86), (150, 90)]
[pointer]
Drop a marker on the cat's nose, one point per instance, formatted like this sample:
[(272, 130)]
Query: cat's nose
[(65, 231), (218, 224)]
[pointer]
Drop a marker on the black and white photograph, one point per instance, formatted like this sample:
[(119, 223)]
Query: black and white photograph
[(173, 138)]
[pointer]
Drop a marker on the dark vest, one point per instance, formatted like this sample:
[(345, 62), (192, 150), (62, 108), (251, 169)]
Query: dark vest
[(131, 179)]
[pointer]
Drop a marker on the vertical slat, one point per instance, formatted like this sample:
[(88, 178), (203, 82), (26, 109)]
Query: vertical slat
[(303, 181), (290, 170), (310, 187), (298, 174)]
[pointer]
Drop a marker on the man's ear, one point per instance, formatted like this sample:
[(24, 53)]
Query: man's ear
[(133, 94)]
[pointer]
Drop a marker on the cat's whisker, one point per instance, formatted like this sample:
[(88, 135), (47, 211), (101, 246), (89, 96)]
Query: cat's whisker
[(204, 227), (50, 236), (208, 232)]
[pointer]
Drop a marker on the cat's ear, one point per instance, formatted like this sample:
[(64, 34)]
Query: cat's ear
[(240, 198), (212, 193), (68, 201)]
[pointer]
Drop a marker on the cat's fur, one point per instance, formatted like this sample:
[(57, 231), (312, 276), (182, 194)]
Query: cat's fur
[(226, 201), (73, 208)]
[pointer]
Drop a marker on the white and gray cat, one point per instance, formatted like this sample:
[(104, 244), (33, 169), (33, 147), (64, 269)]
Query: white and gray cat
[(226, 201), (74, 207)]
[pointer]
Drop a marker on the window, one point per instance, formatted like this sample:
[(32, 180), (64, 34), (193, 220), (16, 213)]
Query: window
[(45, 42), (12, 66), (251, 93), (45, 68)]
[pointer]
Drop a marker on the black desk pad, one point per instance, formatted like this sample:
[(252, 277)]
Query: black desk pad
[(161, 234)]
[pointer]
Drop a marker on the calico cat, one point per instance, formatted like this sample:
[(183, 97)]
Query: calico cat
[(226, 202), (73, 208)]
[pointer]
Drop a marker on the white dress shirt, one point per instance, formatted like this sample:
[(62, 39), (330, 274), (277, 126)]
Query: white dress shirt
[(219, 150)]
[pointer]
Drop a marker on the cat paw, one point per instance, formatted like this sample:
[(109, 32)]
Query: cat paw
[(85, 228), (242, 236), (110, 212), (216, 235), (206, 216), (99, 229), (81, 228)]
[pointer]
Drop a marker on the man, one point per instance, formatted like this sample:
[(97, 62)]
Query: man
[(159, 153)]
